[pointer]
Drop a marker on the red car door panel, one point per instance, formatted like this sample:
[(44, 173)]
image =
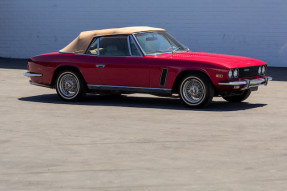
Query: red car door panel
[(122, 71)]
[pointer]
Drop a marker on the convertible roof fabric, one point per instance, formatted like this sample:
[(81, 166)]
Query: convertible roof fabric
[(81, 43)]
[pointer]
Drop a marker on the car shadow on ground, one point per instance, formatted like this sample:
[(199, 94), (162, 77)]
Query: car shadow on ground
[(141, 102)]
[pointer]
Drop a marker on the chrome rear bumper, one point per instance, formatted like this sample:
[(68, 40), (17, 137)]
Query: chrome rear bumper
[(29, 74), (248, 83)]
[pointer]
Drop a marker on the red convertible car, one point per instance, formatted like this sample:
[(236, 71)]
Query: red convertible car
[(144, 60)]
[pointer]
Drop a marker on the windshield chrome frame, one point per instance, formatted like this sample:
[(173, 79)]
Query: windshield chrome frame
[(137, 45)]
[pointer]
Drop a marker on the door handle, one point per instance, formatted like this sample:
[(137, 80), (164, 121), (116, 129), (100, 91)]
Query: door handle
[(100, 65)]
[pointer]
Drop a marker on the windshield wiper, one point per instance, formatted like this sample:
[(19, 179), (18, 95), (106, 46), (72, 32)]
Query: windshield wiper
[(173, 51), (178, 48)]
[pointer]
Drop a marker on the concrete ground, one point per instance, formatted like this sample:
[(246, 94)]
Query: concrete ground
[(139, 142)]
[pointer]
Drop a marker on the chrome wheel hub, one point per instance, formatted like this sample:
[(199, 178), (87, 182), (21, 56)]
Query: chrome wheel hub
[(193, 90), (68, 85)]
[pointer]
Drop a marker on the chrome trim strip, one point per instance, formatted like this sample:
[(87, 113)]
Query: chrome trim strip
[(42, 85), (129, 89), (129, 45), (29, 74), (100, 65), (249, 83), (137, 46), (137, 43), (67, 52), (98, 46)]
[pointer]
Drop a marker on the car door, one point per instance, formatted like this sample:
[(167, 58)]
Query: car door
[(117, 64)]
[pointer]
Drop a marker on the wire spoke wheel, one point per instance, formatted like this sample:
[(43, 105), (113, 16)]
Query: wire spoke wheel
[(196, 90), (69, 86), (193, 91)]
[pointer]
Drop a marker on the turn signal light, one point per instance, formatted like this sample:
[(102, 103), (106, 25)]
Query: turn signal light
[(219, 75)]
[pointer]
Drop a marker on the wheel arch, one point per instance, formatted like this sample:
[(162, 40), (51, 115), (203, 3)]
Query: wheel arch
[(65, 67), (183, 73)]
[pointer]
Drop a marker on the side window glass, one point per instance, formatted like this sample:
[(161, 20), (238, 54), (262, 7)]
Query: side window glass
[(93, 49), (114, 46), (134, 50)]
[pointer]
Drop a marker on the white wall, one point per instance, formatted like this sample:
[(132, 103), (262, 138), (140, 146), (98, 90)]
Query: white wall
[(253, 28)]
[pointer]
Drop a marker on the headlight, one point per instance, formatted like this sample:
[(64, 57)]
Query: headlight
[(230, 74), (235, 73), (259, 70), (263, 69)]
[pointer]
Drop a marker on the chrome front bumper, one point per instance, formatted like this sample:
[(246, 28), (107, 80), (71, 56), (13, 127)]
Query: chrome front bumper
[(248, 83), (29, 74)]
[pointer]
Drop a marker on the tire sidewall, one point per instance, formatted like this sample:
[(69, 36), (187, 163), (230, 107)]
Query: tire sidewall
[(207, 89), (79, 84)]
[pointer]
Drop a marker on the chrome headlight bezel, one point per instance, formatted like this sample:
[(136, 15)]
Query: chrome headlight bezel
[(263, 70), (235, 73), (260, 70), (230, 74)]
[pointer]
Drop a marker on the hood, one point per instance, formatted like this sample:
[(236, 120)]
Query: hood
[(221, 60)]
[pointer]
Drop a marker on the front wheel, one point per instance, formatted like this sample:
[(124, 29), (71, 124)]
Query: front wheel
[(238, 98), (70, 85), (196, 90)]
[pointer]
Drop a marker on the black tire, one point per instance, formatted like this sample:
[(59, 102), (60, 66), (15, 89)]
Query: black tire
[(70, 85), (238, 98), (199, 94)]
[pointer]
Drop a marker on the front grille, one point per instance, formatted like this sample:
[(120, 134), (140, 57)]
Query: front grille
[(248, 72)]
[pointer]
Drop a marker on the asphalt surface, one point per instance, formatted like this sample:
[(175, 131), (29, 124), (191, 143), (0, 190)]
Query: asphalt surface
[(139, 142)]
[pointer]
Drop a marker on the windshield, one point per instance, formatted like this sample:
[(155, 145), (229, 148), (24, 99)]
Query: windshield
[(158, 42)]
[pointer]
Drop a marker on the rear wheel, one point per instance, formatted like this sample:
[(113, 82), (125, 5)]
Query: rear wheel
[(196, 90), (238, 98), (70, 85)]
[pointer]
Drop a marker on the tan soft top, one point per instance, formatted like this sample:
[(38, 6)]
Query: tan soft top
[(81, 43)]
